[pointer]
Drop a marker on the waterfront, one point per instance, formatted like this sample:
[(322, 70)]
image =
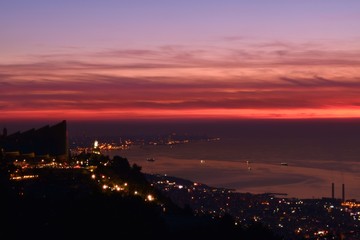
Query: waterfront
[(255, 166)]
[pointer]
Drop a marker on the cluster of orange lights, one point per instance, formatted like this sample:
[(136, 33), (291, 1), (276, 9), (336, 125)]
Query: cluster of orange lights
[(122, 187), (351, 204)]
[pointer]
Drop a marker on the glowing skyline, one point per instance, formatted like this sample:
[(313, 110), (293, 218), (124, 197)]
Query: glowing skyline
[(188, 59)]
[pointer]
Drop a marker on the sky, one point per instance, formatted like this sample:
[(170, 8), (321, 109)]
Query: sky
[(163, 59)]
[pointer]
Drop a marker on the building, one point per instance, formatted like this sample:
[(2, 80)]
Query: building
[(48, 142)]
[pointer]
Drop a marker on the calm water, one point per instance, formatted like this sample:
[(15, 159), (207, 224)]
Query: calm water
[(247, 158)]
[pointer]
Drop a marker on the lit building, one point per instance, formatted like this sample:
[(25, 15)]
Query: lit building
[(96, 149)]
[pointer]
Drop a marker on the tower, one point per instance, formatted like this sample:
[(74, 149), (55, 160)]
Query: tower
[(343, 192), (332, 190)]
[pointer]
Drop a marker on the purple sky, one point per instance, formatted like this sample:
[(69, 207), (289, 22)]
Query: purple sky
[(179, 59)]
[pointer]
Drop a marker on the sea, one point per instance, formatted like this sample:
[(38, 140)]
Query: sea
[(293, 159)]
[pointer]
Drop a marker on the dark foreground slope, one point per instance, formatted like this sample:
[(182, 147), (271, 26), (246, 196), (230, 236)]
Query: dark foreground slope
[(69, 204)]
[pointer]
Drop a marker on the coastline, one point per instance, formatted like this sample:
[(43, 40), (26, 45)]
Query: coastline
[(305, 179), (294, 181)]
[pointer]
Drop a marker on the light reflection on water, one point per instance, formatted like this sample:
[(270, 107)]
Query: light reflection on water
[(313, 164)]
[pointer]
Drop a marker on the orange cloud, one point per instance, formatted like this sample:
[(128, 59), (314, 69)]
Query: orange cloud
[(275, 80)]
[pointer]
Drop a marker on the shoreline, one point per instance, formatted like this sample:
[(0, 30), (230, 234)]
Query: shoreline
[(295, 180)]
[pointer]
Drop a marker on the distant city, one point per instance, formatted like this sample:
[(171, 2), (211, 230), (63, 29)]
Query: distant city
[(325, 218), (291, 218), (106, 143)]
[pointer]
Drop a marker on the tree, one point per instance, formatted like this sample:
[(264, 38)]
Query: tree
[(120, 164)]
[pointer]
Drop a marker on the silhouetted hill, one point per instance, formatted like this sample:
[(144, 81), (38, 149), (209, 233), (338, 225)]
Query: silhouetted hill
[(70, 203)]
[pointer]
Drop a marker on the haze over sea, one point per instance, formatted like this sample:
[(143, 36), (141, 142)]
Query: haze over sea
[(248, 155)]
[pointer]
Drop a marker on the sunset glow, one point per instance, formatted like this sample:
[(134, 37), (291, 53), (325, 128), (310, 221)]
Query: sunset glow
[(125, 60)]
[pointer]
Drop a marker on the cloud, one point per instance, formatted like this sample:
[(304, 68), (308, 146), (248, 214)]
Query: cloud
[(317, 82), (180, 78), (109, 92)]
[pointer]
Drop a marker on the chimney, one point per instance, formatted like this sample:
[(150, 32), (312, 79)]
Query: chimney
[(343, 192), (332, 190)]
